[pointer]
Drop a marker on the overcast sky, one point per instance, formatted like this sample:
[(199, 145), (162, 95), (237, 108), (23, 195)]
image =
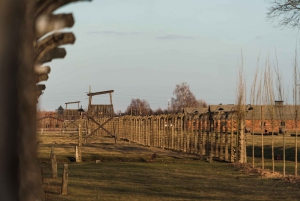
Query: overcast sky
[(143, 48)]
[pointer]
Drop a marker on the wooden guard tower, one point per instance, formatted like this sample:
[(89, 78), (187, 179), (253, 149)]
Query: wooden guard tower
[(100, 111), (96, 112), (71, 114)]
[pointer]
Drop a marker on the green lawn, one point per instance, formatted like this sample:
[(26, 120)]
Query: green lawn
[(278, 150), (126, 173), (186, 180)]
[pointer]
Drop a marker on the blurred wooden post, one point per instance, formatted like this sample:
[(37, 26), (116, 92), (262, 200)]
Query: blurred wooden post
[(262, 138), (134, 129), (196, 136), (221, 155), (205, 131), (216, 131), (181, 143), (53, 165), (202, 144), (226, 137), (211, 130), (19, 173), (184, 134), (167, 134), (199, 137), (51, 152), (79, 147), (152, 131), (64, 186), (232, 154), (148, 126), (252, 123), (211, 147), (188, 135), (159, 133), (42, 173), (176, 134), (173, 134), (146, 131), (296, 143), (163, 133)]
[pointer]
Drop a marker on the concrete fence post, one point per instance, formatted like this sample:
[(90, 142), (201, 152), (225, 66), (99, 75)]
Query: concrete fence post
[(64, 185)]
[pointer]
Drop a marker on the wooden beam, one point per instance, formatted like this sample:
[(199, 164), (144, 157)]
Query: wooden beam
[(110, 97), (99, 93), (72, 102)]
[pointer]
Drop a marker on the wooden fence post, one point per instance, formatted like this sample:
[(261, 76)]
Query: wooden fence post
[(232, 154), (216, 131), (136, 130), (188, 135), (64, 185), (207, 146), (78, 148), (175, 130), (133, 130), (195, 136), (152, 131), (159, 133), (146, 131), (163, 134), (221, 138), (226, 138), (184, 133), (200, 137), (173, 133)]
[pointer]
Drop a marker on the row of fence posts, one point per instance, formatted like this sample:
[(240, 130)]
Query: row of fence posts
[(212, 136), (219, 135)]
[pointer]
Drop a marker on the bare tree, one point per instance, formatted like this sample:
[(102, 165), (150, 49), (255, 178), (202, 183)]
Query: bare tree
[(158, 111), (286, 11), (253, 102), (269, 99), (184, 97), (138, 107), (118, 112), (279, 109), (241, 112), (201, 103), (296, 101)]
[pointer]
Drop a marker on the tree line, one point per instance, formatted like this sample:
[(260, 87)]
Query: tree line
[(184, 98)]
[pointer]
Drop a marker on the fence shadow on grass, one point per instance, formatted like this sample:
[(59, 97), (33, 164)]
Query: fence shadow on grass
[(278, 152)]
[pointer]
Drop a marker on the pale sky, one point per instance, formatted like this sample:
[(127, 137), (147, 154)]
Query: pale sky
[(143, 48)]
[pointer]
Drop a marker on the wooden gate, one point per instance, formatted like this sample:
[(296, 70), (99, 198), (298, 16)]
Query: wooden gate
[(99, 116)]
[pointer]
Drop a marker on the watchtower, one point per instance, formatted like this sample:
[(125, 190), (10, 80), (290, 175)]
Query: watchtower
[(71, 114), (100, 110)]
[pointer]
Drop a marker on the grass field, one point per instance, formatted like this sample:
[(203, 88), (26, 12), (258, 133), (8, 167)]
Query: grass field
[(126, 172), (278, 150)]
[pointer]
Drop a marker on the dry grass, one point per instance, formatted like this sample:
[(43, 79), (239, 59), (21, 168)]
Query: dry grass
[(126, 172)]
